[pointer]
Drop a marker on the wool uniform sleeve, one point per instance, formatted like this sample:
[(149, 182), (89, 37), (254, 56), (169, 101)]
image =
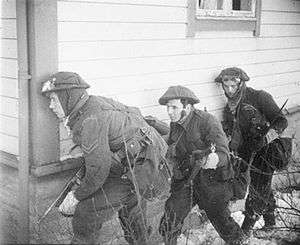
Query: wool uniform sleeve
[(216, 135), (97, 155), (269, 108)]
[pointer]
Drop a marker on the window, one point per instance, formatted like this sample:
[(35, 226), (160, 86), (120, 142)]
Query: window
[(242, 9), (223, 15)]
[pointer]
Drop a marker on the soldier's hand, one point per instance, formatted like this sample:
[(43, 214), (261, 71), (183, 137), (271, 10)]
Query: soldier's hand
[(68, 206), (271, 135)]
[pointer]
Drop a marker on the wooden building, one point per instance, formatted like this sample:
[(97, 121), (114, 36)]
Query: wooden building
[(130, 50)]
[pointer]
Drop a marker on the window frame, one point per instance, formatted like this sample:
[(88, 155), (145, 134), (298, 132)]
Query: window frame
[(216, 20), (227, 14)]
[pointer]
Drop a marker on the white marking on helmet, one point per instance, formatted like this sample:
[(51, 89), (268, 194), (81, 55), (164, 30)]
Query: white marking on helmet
[(48, 86)]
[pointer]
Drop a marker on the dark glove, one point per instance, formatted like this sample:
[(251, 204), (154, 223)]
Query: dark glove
[(259, 130)]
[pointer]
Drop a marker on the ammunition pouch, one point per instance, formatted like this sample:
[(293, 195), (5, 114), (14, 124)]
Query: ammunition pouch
[(134, 147)]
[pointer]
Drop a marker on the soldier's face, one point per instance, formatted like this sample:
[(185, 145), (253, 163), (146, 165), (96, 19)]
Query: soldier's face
[(55, 106), (176, 111), (230, 87)]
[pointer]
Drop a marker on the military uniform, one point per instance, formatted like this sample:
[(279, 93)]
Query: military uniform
[(123, 155), (255, 111), (211, 188)]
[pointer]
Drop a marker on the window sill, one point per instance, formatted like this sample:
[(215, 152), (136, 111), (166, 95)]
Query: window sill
[(56, 167), (228, 18)]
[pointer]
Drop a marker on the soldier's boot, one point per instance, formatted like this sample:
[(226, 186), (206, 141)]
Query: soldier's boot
[(248, 224)]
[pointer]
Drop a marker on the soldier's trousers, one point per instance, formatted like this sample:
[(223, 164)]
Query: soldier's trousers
[(116, 195), (260, 200), (212, 196)]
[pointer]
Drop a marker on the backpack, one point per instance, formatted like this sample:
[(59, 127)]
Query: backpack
[(152, 173)]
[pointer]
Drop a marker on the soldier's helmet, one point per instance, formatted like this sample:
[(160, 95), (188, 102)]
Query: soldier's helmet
[(178, 92), (234, 72), (64, 81)]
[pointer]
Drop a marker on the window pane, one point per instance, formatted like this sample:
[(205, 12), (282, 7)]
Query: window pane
[(236, 5), (244, 5), (208, 4)]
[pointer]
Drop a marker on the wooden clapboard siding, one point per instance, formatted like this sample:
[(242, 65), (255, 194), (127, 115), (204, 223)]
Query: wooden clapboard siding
[(283, 84), (115, 85), (262, 82), (9, 48), (8, 8), (120, 67), (280, 17), (167, 3), (9, 84), (75, 51), (9, 67), (9, 125), (133, 51), (86, 31), (90, 12), (9, 28), (9, 144), (9, 106), (279, 30), (281, 5)]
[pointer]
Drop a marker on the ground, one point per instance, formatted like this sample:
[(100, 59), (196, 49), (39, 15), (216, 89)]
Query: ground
[(197, 229)]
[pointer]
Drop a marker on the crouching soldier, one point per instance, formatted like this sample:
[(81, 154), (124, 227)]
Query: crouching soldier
[(248, 116), (124, 160), (201, 172)]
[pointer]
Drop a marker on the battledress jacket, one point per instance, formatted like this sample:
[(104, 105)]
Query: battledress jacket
[(267, 108), (100, 128), (198, 132)]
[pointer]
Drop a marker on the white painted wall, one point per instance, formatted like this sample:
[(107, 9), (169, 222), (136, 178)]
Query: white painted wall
[(133, 50), (9, 82)]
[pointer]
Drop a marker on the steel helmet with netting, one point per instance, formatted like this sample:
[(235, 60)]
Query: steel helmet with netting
[(64, 81)]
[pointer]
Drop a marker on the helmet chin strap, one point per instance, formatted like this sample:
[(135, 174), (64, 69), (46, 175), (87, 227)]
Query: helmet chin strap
[(70, 102), (184, 113)]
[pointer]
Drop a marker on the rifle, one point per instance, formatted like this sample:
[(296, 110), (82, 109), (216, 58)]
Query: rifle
[(74, 180), (161, 127)]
